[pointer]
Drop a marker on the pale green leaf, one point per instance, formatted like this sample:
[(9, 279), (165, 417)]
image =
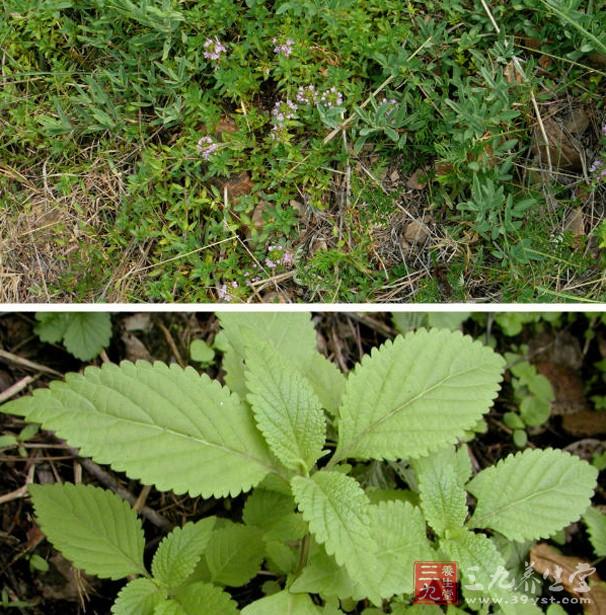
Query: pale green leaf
[(274, 513), (140, 596), (198, 598), (292, 335), (286, 409), (327, 381), (442, 495), (206, 598), (280, 558), (338, 513), (283, 603), (478, 560), (84, 334), (179, 552), (233, 554), (532, 494), (408, 321), (447, 320), (596, 528), (166, 426), (201, 352), (400, 532), (93, 528), (416, 394), (325, 577)]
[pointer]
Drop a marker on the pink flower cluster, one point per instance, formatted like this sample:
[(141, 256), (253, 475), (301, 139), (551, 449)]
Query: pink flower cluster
[(331, 98), (598, 169), (223, 293), (207, 147), (284, 258), (213, 48), (283, 49)]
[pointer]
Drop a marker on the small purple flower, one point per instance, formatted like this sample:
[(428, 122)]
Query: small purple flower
[(223, 293), (388, 101), (283, 49), (284, 110), (213, 48), (207, 147), (287, 259), (598, 169), (270, 264), (307, 95), (332, 98), (604, 129)]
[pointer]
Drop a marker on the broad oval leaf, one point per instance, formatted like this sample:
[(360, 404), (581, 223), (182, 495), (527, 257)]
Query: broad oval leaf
[(596, 528), (416, 394), (287, 411), (166, 426), (93, 528), (180, 551), (532, 494)]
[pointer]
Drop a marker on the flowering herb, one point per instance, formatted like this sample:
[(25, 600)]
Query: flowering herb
[(283, 49), (331, 98), (213, 49), (207, 147)]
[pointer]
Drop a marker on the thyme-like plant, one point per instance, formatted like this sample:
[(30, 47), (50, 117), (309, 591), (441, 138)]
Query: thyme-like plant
[(291, 429)]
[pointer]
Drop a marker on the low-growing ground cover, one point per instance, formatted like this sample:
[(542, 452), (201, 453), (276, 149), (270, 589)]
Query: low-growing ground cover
[(312, 150)]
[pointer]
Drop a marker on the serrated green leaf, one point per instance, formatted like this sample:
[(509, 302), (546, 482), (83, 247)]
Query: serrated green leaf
[(327, 381), (179, 552), (198, 598), (596, 528), (274, 513), (283, 603), (166, 426), (416, 394), (400, 532), (51, 326), (281, 558), (94, 528), (532, 494), (443, 498), (140, 596), (338, 513), (479, 560), (84, 334), (324, 576), (206, 598), (291, 334), (286, 409), (233, 554)]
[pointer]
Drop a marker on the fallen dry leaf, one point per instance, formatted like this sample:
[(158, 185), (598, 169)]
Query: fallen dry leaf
[(237, 186), (575, 223), (564, 149), (570, 573), (418, 180), (257, 216), (567, 386), (585, 423), (416, 232)]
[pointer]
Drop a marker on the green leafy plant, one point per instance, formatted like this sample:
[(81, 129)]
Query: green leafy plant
[(84, 334), (289, 426), (533, 395)]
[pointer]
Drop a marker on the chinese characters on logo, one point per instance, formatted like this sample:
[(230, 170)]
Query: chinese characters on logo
[(435, 583)]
